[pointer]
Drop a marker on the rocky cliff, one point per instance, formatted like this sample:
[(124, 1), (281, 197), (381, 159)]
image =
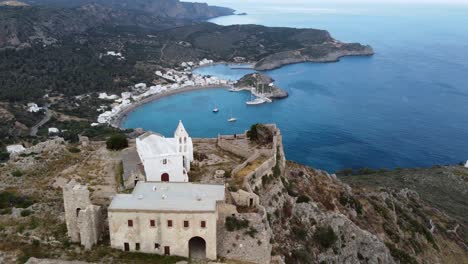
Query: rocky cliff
[(316, 218)]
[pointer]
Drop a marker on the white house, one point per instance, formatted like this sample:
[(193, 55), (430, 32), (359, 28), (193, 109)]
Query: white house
[(466, 164), (53, 130), (15, 149), (169, 218), (166, 159)]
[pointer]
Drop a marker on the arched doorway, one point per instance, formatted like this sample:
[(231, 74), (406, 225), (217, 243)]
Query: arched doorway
[(165, 177), (197, 248)]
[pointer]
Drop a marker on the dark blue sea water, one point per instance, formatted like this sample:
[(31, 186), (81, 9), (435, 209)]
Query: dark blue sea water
[(407, 106)]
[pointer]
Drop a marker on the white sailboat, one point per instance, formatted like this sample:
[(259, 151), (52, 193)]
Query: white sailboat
[(232, 119), (256, 101), (215, 109)]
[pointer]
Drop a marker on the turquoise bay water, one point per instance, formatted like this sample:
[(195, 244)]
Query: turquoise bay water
[(407, 106)]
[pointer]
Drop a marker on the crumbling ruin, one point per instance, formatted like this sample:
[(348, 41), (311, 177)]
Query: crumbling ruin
[(83, 219)]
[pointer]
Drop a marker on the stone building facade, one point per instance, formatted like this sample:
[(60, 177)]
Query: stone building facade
[(83, 219), (167, 218)]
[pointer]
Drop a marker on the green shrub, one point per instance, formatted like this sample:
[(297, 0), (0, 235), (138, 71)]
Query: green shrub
[(117, 142), (325, 236), (74, 150), (4, 156), (5, 211), (303, 199), (252, 134), (251, 232), (16, 173), (345, 172), (299, 233), (401, 255), (346, 200), (233, 224), (9, 200), (26, 212), (36, 242), (366, 171)]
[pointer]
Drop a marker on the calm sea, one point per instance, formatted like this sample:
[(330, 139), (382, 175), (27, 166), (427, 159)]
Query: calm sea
[(407, 106)]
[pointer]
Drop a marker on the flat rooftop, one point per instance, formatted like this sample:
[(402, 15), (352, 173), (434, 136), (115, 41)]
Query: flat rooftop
[(170, 196)]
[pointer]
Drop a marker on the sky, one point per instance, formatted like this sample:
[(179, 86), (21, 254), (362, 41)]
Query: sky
[(324, 2)]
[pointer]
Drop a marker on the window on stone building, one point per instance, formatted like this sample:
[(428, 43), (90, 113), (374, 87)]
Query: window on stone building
[(169, 223), (152, 223), (203, 224), (186, 223), (164, 161), (126, 246), (137, 246), (157, 246), (130, 223), (78, 211), (185, 139)]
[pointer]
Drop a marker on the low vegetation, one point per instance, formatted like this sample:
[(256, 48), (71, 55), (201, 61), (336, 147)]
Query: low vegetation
[(234, 224), (325, 236), (117, 142)]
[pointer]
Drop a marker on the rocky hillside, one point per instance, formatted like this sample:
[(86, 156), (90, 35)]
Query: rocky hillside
[(316, 218), (164, 8), (444, 187), (26, 26)]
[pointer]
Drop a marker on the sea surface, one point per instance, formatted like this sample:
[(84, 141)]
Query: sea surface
[(406, 106)]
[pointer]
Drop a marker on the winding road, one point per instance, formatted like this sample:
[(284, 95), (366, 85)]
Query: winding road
[(48, 115)]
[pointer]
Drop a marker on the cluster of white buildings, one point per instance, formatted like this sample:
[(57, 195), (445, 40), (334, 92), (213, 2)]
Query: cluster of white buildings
[(115, 54), (34, 108), (166, 214), (178, 80)]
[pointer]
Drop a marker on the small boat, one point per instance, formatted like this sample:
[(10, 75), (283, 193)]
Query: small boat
[(215, 110), (256, 101), (234, 89), (232, 119)]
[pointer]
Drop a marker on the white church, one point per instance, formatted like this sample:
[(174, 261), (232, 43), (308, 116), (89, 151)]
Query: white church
[(165, 214), (166, 159)]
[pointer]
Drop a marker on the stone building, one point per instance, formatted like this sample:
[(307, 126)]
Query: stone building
[(83, 219), (167, 218), (166, 159)]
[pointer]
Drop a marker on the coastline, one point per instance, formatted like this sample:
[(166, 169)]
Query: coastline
[(119, 117)]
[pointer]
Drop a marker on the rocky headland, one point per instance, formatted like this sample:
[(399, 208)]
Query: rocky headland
[(262, 84), (328, 52)]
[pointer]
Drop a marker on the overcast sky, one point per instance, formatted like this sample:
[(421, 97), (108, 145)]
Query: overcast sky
[(324, 2)]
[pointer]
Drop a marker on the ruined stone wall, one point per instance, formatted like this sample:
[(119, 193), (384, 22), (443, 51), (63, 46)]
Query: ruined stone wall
[(89, 224), (243, 198), (204, 140), (82, 218), (226, 145)]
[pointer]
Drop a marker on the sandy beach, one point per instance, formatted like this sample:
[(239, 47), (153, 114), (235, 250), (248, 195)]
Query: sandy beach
[(117, 119)]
